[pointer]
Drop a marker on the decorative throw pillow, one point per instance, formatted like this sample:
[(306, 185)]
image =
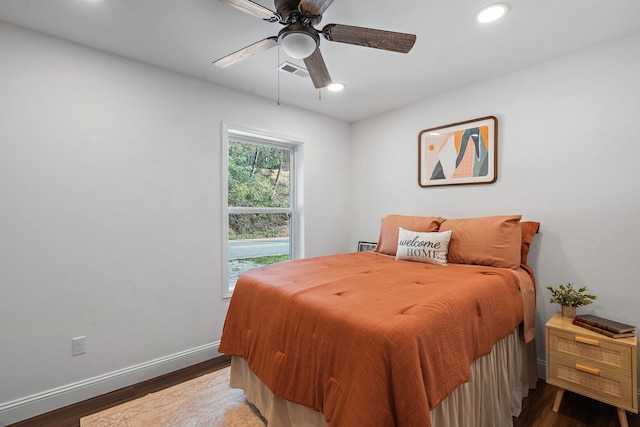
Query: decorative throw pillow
[(494, 241), (388, 241), (431, 248)]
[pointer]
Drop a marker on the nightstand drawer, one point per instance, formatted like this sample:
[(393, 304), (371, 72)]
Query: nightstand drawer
[(601, 353), (604, 385)]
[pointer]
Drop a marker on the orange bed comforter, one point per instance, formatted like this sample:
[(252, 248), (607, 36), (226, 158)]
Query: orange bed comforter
[(365, 339)]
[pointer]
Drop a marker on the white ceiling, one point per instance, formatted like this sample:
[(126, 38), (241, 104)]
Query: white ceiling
[(451, 50)]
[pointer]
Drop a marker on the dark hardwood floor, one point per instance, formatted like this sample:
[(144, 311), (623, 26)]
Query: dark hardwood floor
[(69, 416), (575, 410)]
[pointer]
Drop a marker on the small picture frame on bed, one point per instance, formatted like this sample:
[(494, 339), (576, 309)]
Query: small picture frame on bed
[(459, 153), (366, 246)]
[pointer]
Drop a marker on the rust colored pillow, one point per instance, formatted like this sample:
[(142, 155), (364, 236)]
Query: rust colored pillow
[(390, 224), (494, 241), (529, 229)]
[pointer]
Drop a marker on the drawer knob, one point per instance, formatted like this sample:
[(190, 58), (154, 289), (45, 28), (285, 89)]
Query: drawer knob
[(585, 340), (588, 369)]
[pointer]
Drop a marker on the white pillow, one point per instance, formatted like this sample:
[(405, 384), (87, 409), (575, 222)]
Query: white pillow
[(431, 248)]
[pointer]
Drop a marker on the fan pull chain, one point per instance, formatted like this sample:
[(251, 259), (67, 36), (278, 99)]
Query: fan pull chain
[(278, 72), (320, 95)]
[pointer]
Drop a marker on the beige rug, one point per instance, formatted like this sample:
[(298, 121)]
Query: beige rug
[(204, 401)]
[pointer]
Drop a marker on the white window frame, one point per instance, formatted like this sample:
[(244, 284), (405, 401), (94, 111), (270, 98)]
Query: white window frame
[(296, 209)]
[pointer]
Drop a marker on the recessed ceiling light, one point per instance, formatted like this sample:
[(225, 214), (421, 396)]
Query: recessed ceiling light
[(335, 87), (492, 12)]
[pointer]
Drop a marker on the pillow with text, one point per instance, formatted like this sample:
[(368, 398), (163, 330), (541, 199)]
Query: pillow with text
[(418, 246)]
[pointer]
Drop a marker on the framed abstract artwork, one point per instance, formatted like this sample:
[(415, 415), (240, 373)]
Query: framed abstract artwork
[(459, 153)]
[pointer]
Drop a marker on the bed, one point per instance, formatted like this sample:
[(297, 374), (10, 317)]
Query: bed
[(434, 327)]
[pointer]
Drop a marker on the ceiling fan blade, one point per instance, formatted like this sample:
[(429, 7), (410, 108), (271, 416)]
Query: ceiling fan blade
[(313, 8), (246, 52), (317, 70), (369, 37), (252, 8)]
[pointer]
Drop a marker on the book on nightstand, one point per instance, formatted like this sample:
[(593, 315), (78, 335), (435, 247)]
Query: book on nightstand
[(626, 334), (607, 324)]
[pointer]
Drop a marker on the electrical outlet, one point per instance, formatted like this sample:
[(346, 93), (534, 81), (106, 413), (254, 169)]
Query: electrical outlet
[(78, 346)]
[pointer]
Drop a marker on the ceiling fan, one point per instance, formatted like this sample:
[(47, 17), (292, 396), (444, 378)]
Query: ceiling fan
[(299, 39)]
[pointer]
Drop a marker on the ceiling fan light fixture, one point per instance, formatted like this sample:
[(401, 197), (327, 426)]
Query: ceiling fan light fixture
[(298, 45), (492, 12), (298, 41)]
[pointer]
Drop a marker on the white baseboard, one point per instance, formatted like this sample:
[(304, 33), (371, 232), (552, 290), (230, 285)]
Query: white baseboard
[(40, 403)]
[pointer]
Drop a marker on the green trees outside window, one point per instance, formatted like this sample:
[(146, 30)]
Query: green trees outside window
[(260, 205)]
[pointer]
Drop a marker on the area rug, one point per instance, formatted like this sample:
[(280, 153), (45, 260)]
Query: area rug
[(204, 401)]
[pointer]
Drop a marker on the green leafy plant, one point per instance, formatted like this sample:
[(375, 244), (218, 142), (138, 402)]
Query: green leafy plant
[(570, 296)]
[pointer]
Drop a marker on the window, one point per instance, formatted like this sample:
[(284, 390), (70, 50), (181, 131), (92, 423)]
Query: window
[(261, 211)]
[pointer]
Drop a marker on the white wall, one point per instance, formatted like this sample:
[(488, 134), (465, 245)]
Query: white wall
[(568, 157), (110, 218)]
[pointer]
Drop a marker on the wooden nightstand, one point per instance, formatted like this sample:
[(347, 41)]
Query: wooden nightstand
[(592, 365)]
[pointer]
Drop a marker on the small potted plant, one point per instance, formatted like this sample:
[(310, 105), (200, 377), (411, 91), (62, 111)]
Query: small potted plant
[(570, 298)]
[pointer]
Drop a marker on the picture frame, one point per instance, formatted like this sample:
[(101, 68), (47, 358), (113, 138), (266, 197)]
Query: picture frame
[(366, 246), (459, 153)]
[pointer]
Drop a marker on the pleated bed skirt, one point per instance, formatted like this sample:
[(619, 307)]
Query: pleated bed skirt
[(494, 394)]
